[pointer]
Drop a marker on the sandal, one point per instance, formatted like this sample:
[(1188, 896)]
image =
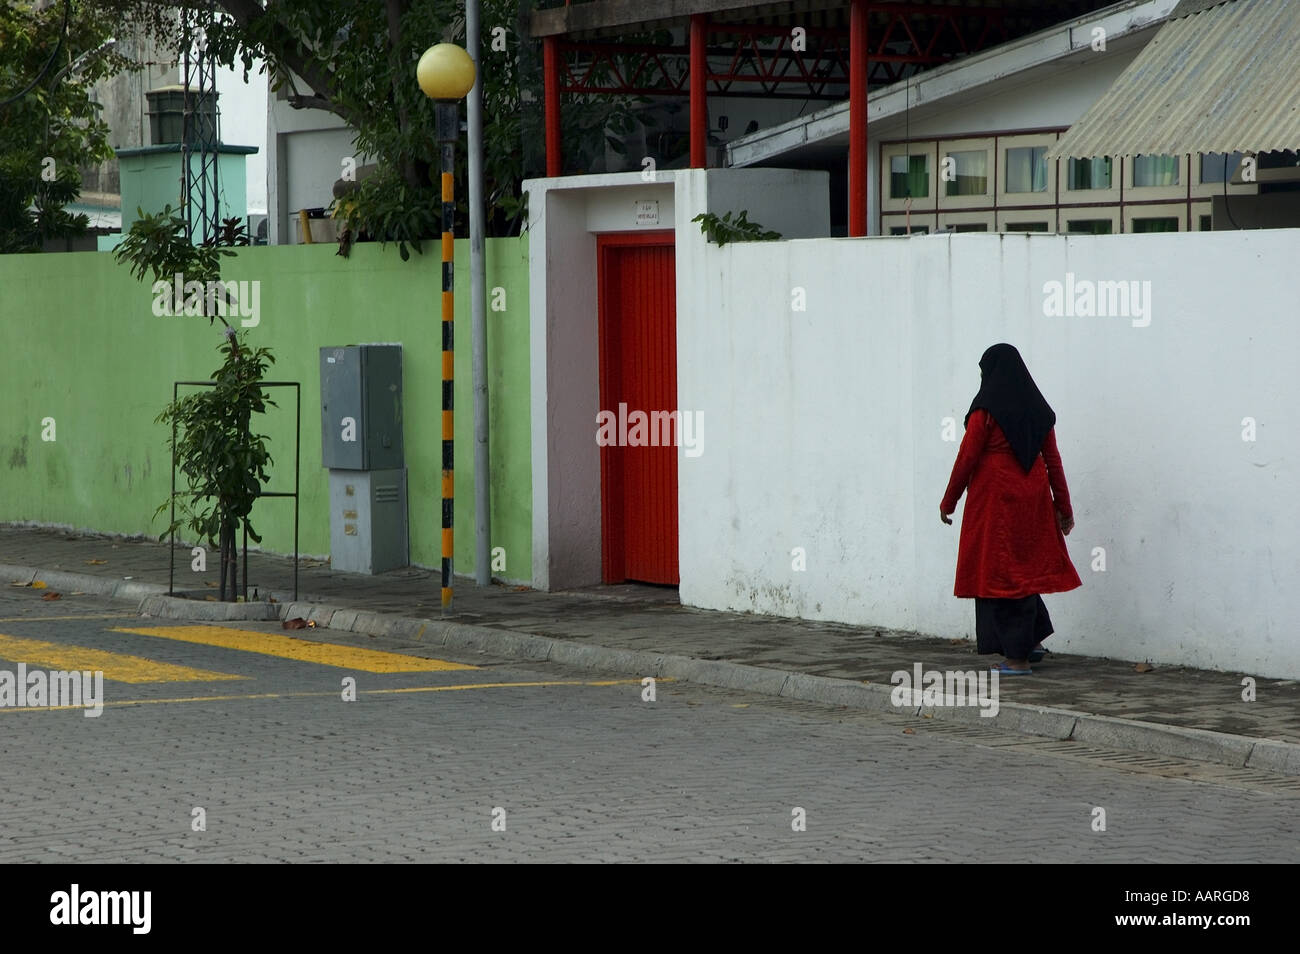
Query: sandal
[(1008, 671)]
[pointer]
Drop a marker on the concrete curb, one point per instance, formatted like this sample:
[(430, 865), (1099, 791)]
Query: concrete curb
[(1267, 755)]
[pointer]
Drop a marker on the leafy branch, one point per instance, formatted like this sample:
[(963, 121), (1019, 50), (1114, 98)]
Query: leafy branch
[(726, 229)]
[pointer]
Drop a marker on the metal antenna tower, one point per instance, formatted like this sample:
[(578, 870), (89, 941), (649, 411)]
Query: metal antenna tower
[(199, 131)]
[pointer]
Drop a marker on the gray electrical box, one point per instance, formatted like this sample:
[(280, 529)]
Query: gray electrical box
[(361, 444), (368, 520), (361, 407)]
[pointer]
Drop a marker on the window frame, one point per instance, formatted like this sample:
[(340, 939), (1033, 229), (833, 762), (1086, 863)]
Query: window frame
[(1046, 216), (987, 144), (917, 147), (1048, 196), (1144, 193), (1171, 210), (968, 218), (1090, 196), (1088, 214), (1209, 189)]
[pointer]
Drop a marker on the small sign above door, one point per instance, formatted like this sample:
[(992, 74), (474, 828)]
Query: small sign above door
[(647, 211)]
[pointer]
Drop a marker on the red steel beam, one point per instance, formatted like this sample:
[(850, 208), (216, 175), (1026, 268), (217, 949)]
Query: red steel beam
[(699, 97), (551, 93), (858, 118)]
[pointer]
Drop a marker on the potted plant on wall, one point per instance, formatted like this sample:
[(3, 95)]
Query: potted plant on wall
[(223, 461)]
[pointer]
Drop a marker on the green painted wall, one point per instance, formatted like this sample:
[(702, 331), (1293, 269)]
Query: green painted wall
[(85, 348)]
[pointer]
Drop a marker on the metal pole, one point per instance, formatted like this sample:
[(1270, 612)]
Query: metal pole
[(858, 118), (551, 89), (171, 572), (448, 123), (297, 466), (478, 311), (699, 92)]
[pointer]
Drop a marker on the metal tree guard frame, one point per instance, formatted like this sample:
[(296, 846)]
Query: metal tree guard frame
[(297, 459)]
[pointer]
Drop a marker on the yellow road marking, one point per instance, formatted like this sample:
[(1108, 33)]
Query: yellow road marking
[(335, 694), (117, 667), (302, 650), (94, 616)]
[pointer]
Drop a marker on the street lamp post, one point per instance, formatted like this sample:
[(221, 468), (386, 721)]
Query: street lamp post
[(445, 74)]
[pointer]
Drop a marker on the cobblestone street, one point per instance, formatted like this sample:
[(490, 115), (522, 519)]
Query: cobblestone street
[(536, 762)]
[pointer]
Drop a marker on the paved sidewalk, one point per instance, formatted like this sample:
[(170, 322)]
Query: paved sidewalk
[(1173, 711)]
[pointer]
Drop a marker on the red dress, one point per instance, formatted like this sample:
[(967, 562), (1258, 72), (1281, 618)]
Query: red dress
[(1011, 546)]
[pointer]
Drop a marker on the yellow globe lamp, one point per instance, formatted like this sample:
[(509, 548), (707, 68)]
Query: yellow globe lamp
[(445, 71)]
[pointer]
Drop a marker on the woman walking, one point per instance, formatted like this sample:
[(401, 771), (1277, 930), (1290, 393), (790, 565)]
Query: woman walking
[(1012, 547)]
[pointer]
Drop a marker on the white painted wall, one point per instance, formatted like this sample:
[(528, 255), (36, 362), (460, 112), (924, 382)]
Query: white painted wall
[(823, 431)]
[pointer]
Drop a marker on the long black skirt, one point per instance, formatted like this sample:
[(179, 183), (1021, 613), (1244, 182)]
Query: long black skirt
[(1011, 627)]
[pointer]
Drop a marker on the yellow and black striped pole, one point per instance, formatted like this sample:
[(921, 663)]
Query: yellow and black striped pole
[(446, 74), (448, 364), (449, 368)]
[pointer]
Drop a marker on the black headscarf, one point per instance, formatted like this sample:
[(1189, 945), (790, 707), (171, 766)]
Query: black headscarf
[(1009, 394)]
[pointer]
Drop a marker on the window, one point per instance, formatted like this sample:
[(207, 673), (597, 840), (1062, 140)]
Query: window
[(1155, 171), (1089, 173), (971, 227), (1156, 225), (1207, 223), (1219, 166), (909, 177), (966, 173), (1025, 227), (1090, 226), (1027, 169), (902, 230)]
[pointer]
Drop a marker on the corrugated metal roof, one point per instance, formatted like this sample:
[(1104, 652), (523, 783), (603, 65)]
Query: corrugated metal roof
[(1224, 79), (1186, 8)]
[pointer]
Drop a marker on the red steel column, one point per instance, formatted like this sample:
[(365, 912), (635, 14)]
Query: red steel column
[(551, 93), (699, 94), (858, 118)]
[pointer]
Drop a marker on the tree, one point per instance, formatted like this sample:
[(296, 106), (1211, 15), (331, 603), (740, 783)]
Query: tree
[(224, 462), (357, 59), (49, 126)]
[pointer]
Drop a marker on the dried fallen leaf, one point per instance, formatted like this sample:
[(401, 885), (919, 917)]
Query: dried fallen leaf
[(1144, 667), (519, 589), (210, 583), (956, 642), (927, 715), (38, 585), (909, 732), (51, 595), (210, 599), (296, 623), (96, 562)]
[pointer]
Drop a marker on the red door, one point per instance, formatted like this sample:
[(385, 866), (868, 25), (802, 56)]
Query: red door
[(638, 372)]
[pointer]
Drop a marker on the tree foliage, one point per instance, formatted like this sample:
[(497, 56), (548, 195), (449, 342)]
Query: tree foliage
[(724, 229), (356, 58), (53, 128), (225, 464)]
